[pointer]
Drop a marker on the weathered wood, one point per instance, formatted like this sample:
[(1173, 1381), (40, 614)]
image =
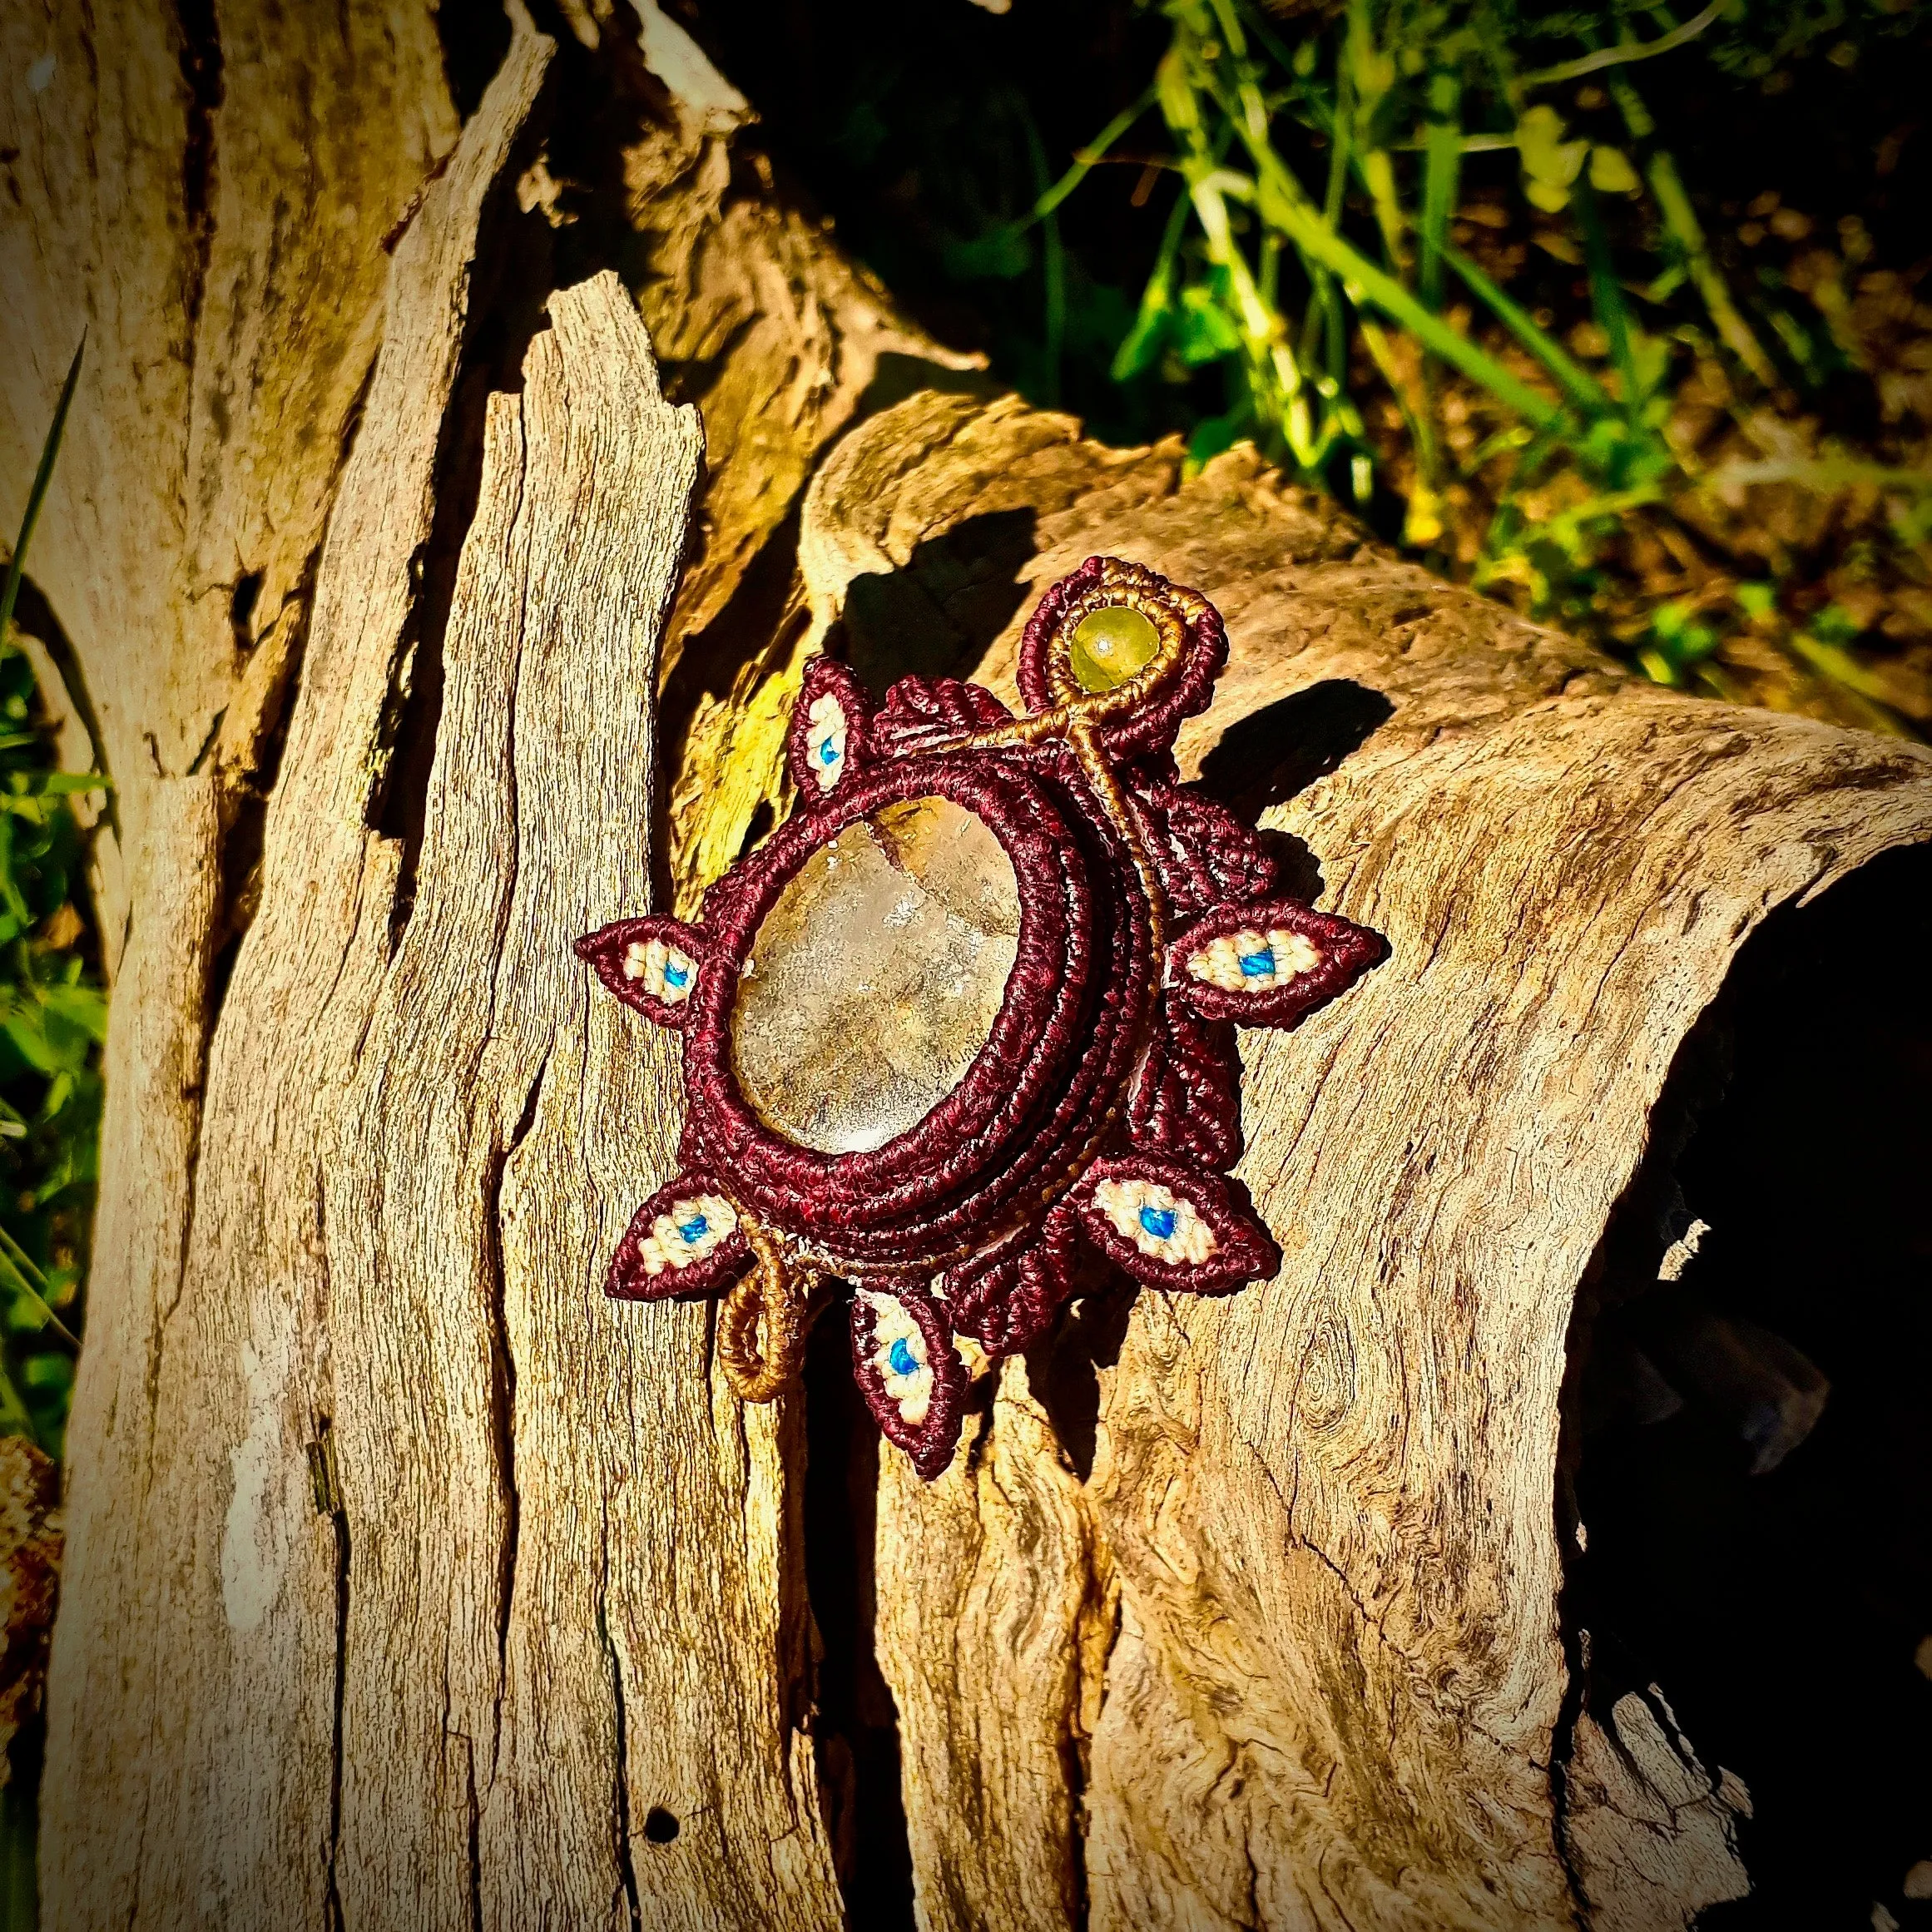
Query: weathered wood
[(782, 342), (238, 1733), (1648, 1832), (207, 1369), (411, 1584), (387, 1231), (992, 1787), (1329, 1506), (209, 202)]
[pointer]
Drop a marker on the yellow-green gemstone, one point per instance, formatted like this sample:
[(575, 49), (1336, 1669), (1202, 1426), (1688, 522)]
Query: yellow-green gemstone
[(1110, 645)]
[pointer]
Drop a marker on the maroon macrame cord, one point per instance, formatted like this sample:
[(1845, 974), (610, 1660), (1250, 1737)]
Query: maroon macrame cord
[(1104, 1106)]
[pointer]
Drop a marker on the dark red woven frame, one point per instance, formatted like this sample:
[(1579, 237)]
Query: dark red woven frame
[(1022, 1118), (1108, 1070)]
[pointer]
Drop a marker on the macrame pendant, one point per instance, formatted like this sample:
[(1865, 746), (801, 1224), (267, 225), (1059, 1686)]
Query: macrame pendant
[(963, 1016)]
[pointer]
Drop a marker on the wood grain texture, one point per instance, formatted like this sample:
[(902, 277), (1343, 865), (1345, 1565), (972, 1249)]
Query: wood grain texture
[(991, 1787), (334, 1447), (410, 1583), (1647, 1825), (534, 1494), (1329, 1506), (782, 342), (206, 196), (392, 1230), (193, 1750)]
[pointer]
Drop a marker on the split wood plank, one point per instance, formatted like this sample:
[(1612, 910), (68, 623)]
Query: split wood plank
[(1329, 1505)]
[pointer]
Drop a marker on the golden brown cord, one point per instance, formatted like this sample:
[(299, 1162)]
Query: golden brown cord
[(758, 1364)]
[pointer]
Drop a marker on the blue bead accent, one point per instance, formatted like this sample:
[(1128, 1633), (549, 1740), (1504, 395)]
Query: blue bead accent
[(1257, 965), (828, 753), (903, 1362), (675, 974), (1158, 1222), (694, 1229)]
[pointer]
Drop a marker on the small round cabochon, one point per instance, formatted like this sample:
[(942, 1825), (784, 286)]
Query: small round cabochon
[(1110, 645)]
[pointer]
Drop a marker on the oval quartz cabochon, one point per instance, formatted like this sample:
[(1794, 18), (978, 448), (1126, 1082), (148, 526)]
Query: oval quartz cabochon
[(876, 977)]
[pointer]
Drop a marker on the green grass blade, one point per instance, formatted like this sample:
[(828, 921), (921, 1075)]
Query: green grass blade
[(1681, 223), (1369, 283), (10, 592), (1823, 474), (1257, 27), (1687, 236), (1324, 313), (1091, 156), (1441, 163), (1843, 668), (1281, 201), (23, 1261), (1615, 56), (16, 1418), (12, 1276), (1575, 382), (1612, 312), (1141, 346)]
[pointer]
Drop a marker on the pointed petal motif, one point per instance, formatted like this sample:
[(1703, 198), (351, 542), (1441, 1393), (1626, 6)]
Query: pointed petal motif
[(650, 963), (830, 731), (1007, 1303), (687, 1239), (910, 1373), (1185, 1101), (1206, 856), (1173, 1226), (1268, 963), (922, 712)]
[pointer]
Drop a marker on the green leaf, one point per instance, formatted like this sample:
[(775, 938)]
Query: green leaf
[(1216, 434), (1611, 172), (61, 784), (1203, 330), (1550, 164), (1837, 625), (1683, 641), (82, 1007), (14, 1417)]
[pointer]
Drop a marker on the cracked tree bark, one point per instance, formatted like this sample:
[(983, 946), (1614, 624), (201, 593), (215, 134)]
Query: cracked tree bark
[(411, 1584)]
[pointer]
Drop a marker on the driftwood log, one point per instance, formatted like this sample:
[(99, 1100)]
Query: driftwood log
[(410, 1584)]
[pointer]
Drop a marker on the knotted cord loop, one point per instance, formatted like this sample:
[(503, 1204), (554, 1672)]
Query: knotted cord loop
[(761, 1327)]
